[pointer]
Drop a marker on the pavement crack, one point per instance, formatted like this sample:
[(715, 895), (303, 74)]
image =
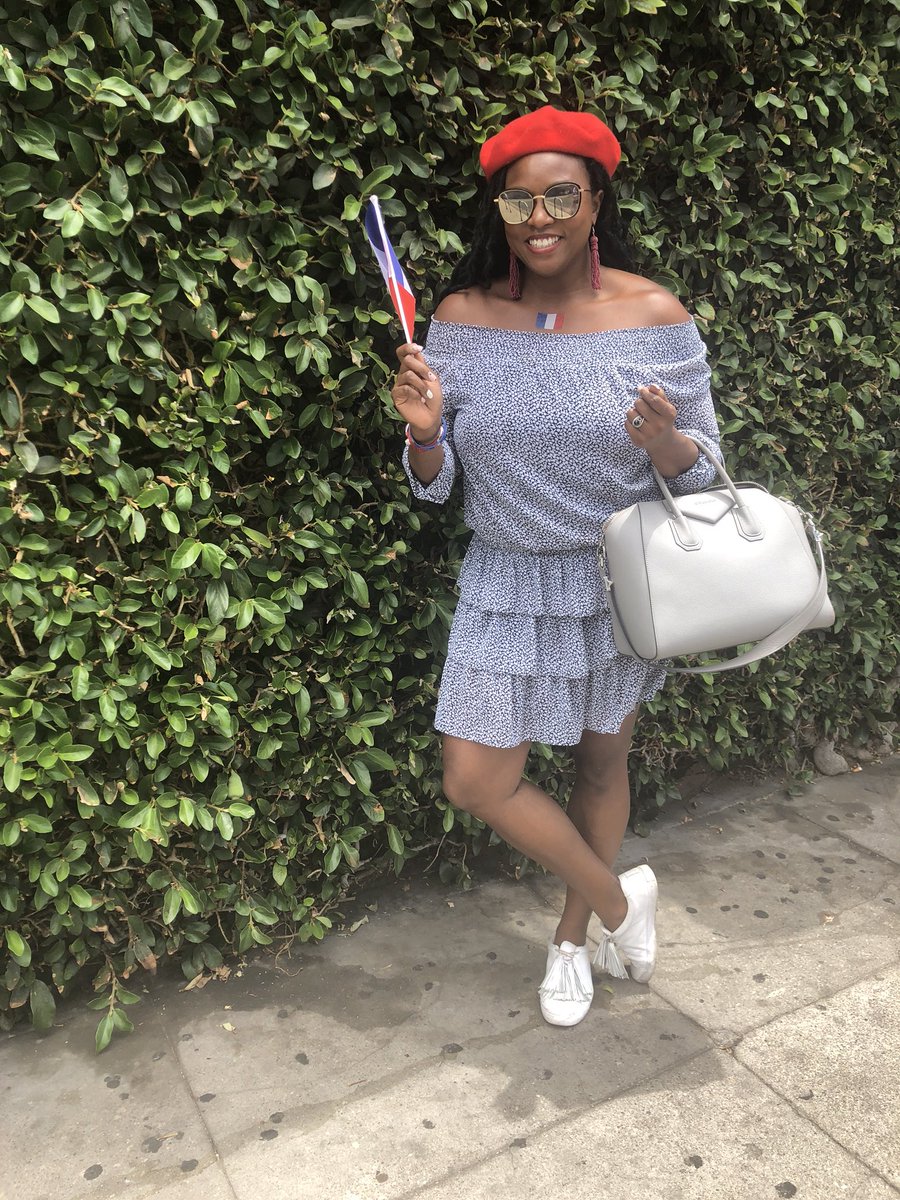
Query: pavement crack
[(810, 1120), (174, 1047)]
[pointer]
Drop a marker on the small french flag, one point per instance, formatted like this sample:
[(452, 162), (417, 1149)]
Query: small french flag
[(549, 320), (398, 286)]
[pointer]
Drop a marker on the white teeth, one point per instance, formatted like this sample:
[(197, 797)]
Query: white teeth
[(540, 243)]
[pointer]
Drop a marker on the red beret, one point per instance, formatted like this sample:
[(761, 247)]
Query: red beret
[(550, 129)]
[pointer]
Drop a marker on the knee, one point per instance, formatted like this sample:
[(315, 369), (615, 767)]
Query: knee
[(459, 790), (601, 773), (468, 793)]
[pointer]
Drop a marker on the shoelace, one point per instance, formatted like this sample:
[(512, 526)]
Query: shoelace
[(608, 958), (563, 981)]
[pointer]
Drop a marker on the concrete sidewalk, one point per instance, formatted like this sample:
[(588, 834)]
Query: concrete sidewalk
[(409, 1058)]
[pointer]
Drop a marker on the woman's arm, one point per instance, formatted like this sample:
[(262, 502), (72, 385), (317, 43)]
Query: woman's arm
[(418, 397), (651, 420)]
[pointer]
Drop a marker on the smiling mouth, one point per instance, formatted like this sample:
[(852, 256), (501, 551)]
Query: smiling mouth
[(542, 244)]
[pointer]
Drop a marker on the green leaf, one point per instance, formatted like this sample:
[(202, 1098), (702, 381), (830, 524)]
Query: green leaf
[(244, 614), (11, 304), (43, 1006), (80, 897), (18, 947), (74, 753), (202, 113), (279, 291), (324, 176), (211, 558), (29, 348), (395, 841), (186, 554), (43, 308), (225, 825), (217, 600), (379, 759), (176, 65), (171, 905), (27, 454), (358, 588), (360, 773), (81, 682), (104, 1033), (15, 76), (72, 223), (121, 1020), (35, 823), (270, 613), (12, 775), (155, 653)]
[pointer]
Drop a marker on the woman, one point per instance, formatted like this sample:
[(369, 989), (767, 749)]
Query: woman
[(552, 379)]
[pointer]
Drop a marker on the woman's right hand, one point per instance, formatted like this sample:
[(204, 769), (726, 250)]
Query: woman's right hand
[(417, 394)]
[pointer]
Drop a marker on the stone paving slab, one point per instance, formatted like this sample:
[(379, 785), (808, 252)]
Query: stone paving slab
[(761, 911), (323, 1089), (838, 1064), (358, 1008), (868, 813), (707, 1129), (76, 1124), (435, 1117)]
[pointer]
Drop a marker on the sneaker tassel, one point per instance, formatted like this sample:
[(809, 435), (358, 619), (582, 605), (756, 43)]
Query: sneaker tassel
[(563, 983), (608, 958)]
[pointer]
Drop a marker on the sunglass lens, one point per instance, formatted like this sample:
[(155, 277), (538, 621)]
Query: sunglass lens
[(515, 206), (563, 202)]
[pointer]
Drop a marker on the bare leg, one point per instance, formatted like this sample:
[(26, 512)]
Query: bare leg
[(488, 783), (599, 809)]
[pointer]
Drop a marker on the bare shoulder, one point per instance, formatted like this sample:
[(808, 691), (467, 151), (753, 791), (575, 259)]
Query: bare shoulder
[(466, 307), (647, 303)]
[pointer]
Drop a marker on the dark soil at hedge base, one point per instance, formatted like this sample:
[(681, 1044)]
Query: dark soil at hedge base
[(225, 614)]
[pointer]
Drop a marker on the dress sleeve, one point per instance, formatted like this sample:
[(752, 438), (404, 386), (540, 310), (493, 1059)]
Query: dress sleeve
[(686, 383), (438, 491)]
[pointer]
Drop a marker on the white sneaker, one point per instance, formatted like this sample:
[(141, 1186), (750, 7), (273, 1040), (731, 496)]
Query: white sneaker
[(635, 938), (567, 990)]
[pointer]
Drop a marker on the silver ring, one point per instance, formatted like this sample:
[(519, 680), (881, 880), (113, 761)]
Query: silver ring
[(637, 421)]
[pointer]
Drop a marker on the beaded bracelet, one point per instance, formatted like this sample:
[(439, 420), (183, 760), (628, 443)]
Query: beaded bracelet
[(438, 441)]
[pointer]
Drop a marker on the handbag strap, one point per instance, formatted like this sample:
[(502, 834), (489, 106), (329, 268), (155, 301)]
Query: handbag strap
[(778, 637)]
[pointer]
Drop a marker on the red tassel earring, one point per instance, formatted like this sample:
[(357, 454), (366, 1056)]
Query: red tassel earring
[(595, 263), (515, 286)]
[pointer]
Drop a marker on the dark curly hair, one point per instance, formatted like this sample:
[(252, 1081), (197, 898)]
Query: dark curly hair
[(488, 258)]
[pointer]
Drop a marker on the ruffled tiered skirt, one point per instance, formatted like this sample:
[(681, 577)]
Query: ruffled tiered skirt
[(531, 654)]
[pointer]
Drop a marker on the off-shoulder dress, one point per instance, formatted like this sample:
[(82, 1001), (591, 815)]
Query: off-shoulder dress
[(536, 429)]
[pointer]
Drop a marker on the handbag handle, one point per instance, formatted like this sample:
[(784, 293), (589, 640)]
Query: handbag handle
[(746, 520)]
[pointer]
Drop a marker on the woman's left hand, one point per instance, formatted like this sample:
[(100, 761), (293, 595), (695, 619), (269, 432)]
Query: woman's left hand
[(650, 422)]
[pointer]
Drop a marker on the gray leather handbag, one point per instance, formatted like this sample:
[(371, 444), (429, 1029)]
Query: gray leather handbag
[(712, 570)]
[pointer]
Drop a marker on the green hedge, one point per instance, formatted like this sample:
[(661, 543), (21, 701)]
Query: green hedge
[(222, 615)]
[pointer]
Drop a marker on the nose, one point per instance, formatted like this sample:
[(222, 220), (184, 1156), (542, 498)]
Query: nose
[(539, 218)]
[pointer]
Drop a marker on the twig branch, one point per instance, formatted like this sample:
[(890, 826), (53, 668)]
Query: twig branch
[(12, 630), (21, 400)]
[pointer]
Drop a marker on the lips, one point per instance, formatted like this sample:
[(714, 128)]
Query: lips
[(543, 244)]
